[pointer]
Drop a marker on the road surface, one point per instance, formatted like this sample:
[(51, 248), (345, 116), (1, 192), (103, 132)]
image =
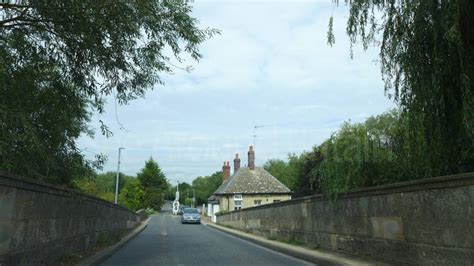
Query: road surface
[(166, 241)]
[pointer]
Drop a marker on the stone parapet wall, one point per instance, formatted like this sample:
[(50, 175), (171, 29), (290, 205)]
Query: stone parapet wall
[(39, 222), (428, 222)]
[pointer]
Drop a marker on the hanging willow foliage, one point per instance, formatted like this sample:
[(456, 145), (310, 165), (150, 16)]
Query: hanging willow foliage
[(427, 64)]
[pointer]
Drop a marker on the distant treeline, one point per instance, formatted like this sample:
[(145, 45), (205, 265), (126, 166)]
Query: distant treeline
[(203, 187), (146, 190), (387, 148)]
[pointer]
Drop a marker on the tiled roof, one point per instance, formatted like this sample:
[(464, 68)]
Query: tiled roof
[(246, 181), (212, 199)]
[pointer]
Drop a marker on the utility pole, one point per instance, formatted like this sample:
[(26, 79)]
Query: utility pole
[(177, 191), (118, 176), (194, 199)]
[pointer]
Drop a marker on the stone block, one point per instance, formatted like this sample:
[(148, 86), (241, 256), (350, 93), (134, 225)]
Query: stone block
[(356, 226), (384, 205), (273, 233), (20, 236), (252, 224), (387, 228), (312, 239), (390, 251), (6, 229), (7, 202), (435, 255), (46, 230), (333, 241), (439, 218)]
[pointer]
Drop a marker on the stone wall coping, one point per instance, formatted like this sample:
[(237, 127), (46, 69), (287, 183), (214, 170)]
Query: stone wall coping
[(440, 182), (29, 184)]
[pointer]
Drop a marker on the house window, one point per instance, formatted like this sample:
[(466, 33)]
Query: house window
[(277, 200), (237, 202), (257, 202)]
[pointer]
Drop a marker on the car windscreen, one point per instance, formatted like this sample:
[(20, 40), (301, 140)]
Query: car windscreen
[(189, 210)]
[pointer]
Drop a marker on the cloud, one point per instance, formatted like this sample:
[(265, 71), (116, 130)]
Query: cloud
[(270, 66)]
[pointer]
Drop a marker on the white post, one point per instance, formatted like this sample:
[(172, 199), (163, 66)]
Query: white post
[(118, 176)]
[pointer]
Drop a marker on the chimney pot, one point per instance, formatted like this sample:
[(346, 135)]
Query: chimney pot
[(226, 170), (236, 163), (251, 158)]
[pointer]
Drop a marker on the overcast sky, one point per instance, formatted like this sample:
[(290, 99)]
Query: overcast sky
[(271, 66)]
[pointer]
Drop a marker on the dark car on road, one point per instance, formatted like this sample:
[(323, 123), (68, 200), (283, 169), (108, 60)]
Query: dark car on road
[(181, 208), (191, 215)]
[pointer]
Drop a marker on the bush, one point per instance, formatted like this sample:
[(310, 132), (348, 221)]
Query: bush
[(132, 195)]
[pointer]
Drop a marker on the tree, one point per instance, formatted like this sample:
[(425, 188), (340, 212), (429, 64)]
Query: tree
[(188, 201), (183, 191), (154, 184), (132, 195), (284, 172), (41, 117), (101, 185), (215, 181), (59, 59), (87, 185), (106, 181), (170, 193), (427, 62), (279, 169), (204, 186), (376, 152), (291, 173), (309, 181)]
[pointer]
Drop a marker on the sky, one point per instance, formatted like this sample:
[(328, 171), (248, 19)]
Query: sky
[(271, 66)]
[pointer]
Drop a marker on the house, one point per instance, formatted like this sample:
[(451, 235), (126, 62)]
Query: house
[(247, 187)]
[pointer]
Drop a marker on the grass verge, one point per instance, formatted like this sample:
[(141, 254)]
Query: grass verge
[(104, 240)]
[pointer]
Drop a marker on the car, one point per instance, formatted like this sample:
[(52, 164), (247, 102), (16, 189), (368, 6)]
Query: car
[(191, 215), (181, 208)]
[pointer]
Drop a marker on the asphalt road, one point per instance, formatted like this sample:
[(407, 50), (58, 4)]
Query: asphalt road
[(166, 241)]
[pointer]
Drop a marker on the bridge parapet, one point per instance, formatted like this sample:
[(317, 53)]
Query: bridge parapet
[(40, 222), (423, 222)]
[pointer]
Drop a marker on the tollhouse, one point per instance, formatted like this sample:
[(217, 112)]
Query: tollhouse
[(247, 187)]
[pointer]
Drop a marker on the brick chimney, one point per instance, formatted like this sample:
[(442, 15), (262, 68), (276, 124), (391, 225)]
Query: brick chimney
[(251, 155), (226, 170), (236, 163)]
